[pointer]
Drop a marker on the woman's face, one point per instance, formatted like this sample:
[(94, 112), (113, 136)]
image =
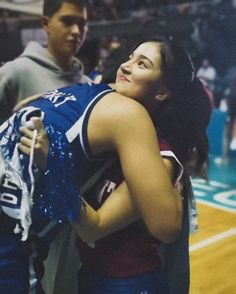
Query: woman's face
[(140, 77)]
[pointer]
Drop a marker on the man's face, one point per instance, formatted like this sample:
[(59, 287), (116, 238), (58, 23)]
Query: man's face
[(205, 63), (66, 30)]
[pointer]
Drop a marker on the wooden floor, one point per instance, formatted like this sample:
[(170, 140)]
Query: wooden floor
[(213, 253), (213, 248)]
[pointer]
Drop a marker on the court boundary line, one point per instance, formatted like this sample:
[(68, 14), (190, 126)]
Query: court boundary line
[(212, 240), (214, 205)]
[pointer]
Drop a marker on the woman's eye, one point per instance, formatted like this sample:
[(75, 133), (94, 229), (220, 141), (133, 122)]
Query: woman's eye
[(142, 64)]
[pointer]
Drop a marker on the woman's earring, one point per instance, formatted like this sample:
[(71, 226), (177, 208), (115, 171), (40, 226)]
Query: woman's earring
[(158, 97), (163, 96)]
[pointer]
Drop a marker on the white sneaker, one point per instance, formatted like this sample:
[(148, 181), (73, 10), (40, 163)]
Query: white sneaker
[(232, 145)]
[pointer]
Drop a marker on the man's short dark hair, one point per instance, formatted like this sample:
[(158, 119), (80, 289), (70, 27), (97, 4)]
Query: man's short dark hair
[(50, 7)]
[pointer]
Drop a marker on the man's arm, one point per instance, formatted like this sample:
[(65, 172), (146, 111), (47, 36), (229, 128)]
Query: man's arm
[(7, 97), (41, 147), (26, 101)]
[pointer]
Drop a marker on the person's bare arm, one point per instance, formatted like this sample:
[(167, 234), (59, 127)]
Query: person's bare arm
[(41, 147), (119, 209), (121, 124), (117, 212), (25, 101)]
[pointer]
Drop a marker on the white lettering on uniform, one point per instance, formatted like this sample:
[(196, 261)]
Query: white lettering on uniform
[(11, 196), (108, 187), (8, 198), (67, 98), (55, 95), (8, 184)]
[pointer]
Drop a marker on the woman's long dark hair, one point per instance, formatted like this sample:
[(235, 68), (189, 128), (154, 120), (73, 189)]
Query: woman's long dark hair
[(182, 120)]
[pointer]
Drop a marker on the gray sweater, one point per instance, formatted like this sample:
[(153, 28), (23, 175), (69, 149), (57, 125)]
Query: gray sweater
[(33, 72)]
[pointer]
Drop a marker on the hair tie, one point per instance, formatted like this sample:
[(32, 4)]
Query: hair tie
[(193, 71), (192, 76)]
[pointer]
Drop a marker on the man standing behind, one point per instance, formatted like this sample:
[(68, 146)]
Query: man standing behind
[(38, 70)]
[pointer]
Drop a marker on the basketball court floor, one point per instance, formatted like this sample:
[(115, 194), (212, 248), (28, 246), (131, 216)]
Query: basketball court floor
[(213, 247)]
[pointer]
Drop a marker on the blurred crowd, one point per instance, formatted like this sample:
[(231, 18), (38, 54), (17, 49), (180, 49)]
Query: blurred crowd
[(220, 85), (114, 10)]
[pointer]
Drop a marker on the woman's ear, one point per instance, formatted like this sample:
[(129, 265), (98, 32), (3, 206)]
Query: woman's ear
[(163, 96)]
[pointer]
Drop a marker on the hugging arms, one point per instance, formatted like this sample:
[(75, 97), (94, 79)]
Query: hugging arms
[(166, 228)]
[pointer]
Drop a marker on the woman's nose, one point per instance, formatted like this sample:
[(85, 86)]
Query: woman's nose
[(125, 66)]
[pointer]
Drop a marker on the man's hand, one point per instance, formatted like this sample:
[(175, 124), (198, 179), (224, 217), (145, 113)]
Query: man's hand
[(25, 101), (41, 147)]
